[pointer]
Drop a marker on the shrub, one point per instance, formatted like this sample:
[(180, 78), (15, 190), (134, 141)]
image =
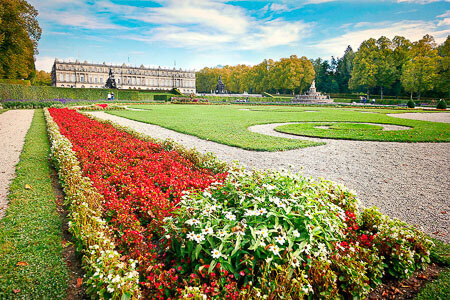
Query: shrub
[(411, 103), (162, 97), (442, 104)]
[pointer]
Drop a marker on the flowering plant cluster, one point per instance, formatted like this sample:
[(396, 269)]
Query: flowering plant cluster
[(193, 228), (284, 234), (108, 276), (115, 162), (188, 100)]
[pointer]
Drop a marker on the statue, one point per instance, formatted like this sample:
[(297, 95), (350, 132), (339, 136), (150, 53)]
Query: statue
[(220, 88), (111, 82)]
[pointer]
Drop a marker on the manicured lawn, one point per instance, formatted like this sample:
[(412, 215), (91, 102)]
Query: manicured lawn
[(31, 262), (227, 124)]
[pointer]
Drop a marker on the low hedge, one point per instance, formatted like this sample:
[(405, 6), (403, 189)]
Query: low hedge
[(22, 92), (15, 81)]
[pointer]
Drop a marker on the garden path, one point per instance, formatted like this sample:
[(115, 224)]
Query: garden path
[(14, 125), (408, 181), (443, 117)]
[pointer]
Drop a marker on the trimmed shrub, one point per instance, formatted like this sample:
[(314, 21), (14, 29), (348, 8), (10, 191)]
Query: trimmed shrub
[(162, 97), (441, 104), (411, 103), (15, 81)]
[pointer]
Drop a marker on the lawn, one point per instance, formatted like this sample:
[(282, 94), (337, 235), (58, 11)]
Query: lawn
[(31, 259), (227, 124)]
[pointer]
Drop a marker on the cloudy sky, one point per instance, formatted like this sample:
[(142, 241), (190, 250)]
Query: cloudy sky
[(196, 33)]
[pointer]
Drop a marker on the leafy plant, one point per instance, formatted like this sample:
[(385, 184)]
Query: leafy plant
[(442, 104), (411, 103)]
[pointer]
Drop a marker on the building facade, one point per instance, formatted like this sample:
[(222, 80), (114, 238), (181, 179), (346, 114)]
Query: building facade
[(86, 75)]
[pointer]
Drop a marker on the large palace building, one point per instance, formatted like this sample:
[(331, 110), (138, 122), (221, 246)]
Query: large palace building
[(87, 75)]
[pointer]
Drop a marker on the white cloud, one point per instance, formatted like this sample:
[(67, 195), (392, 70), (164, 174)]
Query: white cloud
[(44, 63), (445, 19), (206, 24), (413, 30)]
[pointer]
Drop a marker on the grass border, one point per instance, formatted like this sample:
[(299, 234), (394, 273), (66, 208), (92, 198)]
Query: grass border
[(31, 252)]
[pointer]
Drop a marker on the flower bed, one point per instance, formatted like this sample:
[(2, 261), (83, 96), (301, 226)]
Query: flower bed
[(195, 232), (181, 100)]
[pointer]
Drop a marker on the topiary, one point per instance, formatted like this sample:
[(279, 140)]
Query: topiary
[(411, 103), (441, 104)]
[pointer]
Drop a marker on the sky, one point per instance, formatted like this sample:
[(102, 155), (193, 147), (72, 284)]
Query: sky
[(192, 34)]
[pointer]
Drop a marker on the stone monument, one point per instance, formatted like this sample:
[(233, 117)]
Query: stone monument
[(111, 82), (312, 96), (220, 88)]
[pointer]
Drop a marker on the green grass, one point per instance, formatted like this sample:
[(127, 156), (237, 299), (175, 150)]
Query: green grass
[(438, 289), (2, 111), (31, 230), (227, 124)]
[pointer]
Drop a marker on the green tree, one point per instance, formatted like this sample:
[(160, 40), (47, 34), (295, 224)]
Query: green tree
[(443, 82), (402, 53), (373, 65), (420, 72), (20, 32), (344, 70), (43, 78)]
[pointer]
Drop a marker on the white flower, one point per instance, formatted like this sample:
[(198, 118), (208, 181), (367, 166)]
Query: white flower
[(167, 236), (241, 233), (230, 216), (199, 237), (262, 211), (269, 259), (280, 240), (275, 249), (191, 235), (295, 263), (262, 244), (295, 233), (208, 230), (216, 253), (406, 271), (269, 187), (207, 194), (263, 232), (193, 222), (221, 233)]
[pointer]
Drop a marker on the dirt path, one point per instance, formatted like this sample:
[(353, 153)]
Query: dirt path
[(14, 125), (434, 117), (408, 181)]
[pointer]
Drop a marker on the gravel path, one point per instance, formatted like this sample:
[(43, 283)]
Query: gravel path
[(434, 117), (408, 181), (14, 125)]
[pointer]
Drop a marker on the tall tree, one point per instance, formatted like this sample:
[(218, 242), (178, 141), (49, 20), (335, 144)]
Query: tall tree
[(344, 69), (443, 82), (373, 65), (21, 32), (420, 72)]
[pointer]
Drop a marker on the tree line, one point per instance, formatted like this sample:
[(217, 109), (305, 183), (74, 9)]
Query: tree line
[(396, 67)]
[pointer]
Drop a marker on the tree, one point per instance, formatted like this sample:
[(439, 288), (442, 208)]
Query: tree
[(443, 82), (373, 65), (420, 72), (402, 53), (20, 32), (344, 69), (43, 78)]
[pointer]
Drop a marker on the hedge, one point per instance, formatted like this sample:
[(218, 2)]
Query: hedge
[(21, 92), (15, 81)]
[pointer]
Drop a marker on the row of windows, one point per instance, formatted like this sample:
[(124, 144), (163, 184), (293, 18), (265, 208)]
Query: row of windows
[(129, 71), (71, 86), (130, 80)]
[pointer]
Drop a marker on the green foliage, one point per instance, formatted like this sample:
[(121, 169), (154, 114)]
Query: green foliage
[(165, 98), (265, 94), (438, 289), (411, 103), (31, 230), (19, 92), (287, 74), (258, 225), (440, 253), (43, 78), (20, 32), (16, 81), (442, 104)]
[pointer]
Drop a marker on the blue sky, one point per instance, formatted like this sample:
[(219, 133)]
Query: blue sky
[(198, 33)]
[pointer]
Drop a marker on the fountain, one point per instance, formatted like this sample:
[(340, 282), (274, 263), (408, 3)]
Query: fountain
[(312, 96)]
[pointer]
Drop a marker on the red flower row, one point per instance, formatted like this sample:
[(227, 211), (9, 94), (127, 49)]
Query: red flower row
[(140, 181)]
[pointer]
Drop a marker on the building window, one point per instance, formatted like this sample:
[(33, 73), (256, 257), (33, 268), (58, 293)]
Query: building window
[(95, 79), (118, 80), (82, 78), (73, 78), (101, 79)]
